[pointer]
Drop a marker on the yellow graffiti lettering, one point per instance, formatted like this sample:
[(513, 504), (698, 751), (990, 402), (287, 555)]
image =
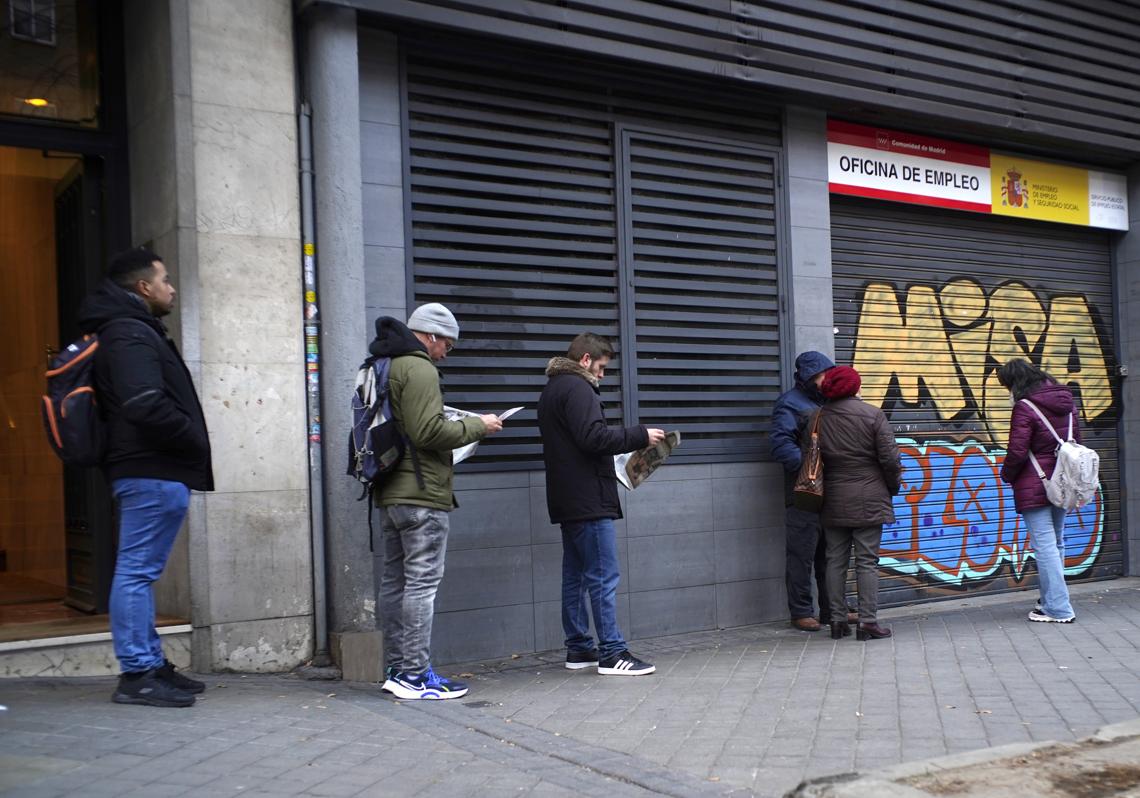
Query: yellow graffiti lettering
[(951, 341), (1019, 320), (1071, 333), (887, 344)]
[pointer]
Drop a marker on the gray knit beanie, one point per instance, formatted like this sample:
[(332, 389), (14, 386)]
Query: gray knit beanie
[(434, 318)]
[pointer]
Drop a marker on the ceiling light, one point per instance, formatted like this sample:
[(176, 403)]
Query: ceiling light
[(37, 102)]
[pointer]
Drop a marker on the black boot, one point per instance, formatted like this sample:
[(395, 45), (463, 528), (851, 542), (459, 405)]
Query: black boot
[(839, 630)]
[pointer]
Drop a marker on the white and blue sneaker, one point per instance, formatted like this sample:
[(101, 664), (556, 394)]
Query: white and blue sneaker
[(427, 685)]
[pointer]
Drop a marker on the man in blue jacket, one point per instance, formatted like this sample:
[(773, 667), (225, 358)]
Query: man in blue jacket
[(582, 496), (805, 545)]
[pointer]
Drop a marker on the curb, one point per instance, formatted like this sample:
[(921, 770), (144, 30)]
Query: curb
[(884, 783)]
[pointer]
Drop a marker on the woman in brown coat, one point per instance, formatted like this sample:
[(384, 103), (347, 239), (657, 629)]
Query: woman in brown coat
[(861, 472)]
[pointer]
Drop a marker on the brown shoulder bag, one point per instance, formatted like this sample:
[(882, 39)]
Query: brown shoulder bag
[(807, 494)]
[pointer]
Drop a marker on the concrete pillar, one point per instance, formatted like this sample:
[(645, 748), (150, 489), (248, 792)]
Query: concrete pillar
[(333, 89), (810, 232), (1126, 281)]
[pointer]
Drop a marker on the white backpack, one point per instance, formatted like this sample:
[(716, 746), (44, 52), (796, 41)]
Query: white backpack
[(1075, 477)]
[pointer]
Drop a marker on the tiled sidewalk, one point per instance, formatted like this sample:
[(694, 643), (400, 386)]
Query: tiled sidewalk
[(745, 711)]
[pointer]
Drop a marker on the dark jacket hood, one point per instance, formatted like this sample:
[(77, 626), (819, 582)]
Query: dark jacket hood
[(808, 365), (393, 338), (1053, 399), (108, 302)]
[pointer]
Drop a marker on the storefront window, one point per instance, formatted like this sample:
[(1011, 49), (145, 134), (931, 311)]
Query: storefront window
[(49, 66)]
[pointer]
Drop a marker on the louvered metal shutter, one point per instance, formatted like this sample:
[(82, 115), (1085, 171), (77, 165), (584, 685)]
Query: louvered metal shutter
[(928, 304), (699, 238), (513, 204)]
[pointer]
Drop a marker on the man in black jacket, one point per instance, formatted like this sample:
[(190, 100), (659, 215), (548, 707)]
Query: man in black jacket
[(582, 496), (157, 451)]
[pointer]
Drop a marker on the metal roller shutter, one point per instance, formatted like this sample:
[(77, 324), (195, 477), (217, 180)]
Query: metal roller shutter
[(928, 304), (546, 198)]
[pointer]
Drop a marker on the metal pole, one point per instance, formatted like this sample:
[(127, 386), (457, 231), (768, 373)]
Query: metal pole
[(312, 322)]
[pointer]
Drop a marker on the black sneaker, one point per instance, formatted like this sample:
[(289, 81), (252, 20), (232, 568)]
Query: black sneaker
[(576, 660), (146, 688), (624, 664), (175, 679)]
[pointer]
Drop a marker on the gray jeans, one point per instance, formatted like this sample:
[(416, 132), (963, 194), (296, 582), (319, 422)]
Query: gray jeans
[(866, 541), (415, 543)]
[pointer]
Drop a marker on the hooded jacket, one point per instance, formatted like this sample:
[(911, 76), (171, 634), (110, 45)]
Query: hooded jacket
[(155, 425), (790, 412), (578, 447), (1027, 434), (417, 406)]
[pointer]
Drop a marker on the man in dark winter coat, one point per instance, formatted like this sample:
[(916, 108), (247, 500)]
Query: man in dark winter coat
[(805, 547), (582, 496), (157, 452), (417, 497)]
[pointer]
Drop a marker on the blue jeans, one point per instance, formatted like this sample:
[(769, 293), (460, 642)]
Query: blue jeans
[(150, 514), (590, 566), (415, 543), (1046, 527)]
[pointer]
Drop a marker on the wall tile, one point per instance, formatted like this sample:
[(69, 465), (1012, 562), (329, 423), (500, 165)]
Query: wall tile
[(275, 645), (743, 554), (254, 413), (477, 578), (670, 561), (482, 634), (753, 601), (667, 612), (665, 508), (383, 208), (379, 77), (747, 502), (243, 59), (246, 172), (484, 519), (260, 555), (252, 287), (381, 154)]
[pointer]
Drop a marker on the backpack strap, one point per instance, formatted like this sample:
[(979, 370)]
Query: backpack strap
[(1048, 425)]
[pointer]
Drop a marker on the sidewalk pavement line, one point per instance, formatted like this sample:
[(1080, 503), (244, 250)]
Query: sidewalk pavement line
[(606, 762)]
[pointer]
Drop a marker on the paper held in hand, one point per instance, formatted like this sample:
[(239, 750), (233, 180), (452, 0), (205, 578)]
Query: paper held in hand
[(454, 414), (633, 468)]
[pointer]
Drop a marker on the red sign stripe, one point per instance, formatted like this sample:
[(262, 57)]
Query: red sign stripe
[(916, 199)]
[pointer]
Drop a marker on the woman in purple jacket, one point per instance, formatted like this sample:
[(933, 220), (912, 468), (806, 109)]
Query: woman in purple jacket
[(1046, 523)]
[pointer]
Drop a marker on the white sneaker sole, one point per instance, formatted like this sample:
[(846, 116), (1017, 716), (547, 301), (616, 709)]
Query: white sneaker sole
[(577, 666), (630, 672), (427, 694), (1048, 619)]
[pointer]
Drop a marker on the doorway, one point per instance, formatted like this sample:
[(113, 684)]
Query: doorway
[(56, 546)]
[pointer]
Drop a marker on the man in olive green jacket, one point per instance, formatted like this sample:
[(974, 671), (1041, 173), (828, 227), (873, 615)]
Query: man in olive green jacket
[(417, 497)]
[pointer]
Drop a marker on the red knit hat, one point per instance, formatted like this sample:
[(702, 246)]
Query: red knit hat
[(840, 382)]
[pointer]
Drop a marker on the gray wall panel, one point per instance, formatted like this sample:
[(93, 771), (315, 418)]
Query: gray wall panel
[(487, 519), (477, 578), (669, 612), (670, 561), (743, 554), (1069, 74), (666, 507), (752, 601), (482, 634)]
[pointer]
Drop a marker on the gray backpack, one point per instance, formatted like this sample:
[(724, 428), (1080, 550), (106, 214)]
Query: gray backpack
[(1075, 478)]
